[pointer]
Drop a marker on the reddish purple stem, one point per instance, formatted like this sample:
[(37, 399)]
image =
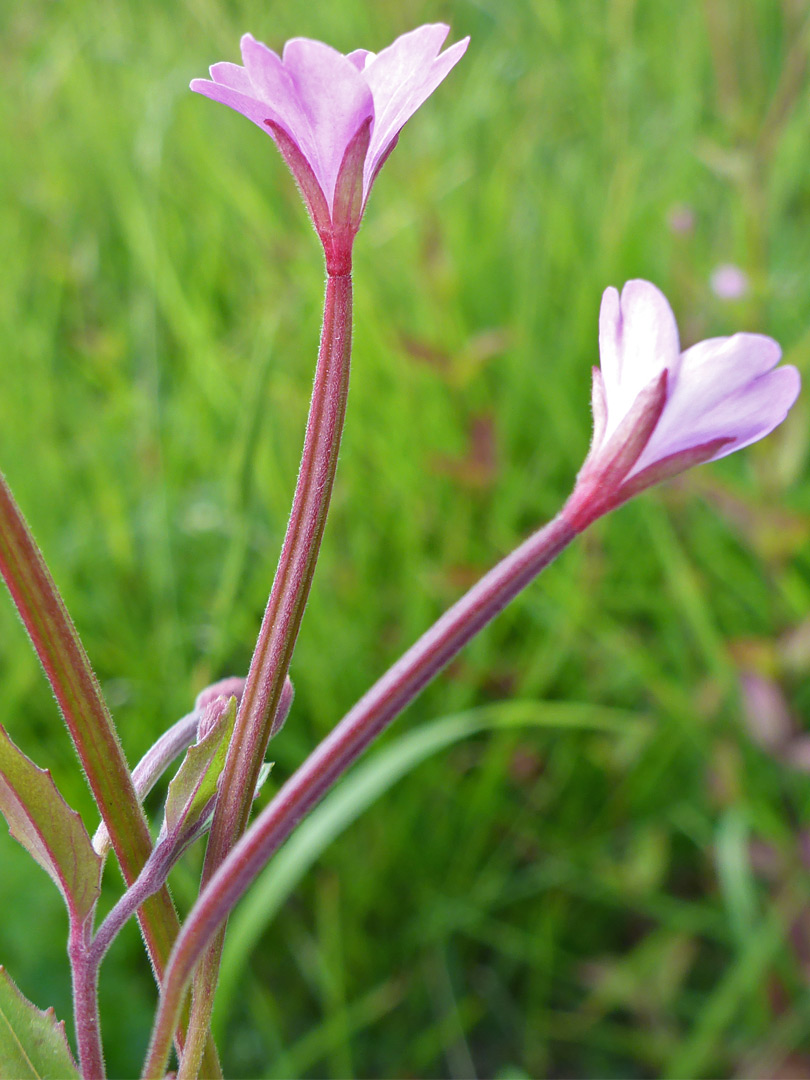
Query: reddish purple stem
[(383, 702), (85, 1000), (290, 591), (259, 712), (87, 717)]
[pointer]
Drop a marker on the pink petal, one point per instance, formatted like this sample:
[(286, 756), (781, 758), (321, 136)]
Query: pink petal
[(251, 107), (334, 100), (273, 85), (266, 71), (233, 75), (360, 57), (755, 411), (716, 367), (709, 374), (638, 338), (401, 78), (747, 414)]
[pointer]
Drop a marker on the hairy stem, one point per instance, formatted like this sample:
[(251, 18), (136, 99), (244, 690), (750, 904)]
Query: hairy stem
[(152, 766), (282, 619), (150, 879), (85, 1001), (383, 702)]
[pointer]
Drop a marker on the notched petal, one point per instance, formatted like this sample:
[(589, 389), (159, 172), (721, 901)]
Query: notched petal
[(402, 77), (234, 76), (334, 100)]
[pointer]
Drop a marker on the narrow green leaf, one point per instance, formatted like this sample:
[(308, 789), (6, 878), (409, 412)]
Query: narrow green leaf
[(40, 819), (196, 781), (33, 1045)]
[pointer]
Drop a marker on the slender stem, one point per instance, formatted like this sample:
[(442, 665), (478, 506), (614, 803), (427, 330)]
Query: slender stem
[(153, 764), (282, 619), (285, 607), (202, 1007), (161, 754), (383, 702), (85, 1001), (89, 951), (150, 879), (88, 958), (88, 719)]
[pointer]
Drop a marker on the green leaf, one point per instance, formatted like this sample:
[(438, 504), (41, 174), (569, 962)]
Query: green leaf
[(40, 819), (195, 784), (200, 825), (32, 1042)]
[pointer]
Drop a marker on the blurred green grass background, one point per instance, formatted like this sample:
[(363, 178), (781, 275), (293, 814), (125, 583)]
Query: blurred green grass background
[(611, 880)]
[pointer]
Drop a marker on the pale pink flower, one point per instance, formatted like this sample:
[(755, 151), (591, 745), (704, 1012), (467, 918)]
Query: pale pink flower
[(658, 411), (334, 118), (729, 282)]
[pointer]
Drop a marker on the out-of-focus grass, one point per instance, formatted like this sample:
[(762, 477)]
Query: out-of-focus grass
[(561, 902)]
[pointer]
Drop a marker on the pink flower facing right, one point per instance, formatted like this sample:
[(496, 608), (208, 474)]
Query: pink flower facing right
[(657, 411), (334, 118)]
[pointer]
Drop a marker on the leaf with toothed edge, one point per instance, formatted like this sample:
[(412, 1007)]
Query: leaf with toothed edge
[(40, 819), (33, 1044)]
